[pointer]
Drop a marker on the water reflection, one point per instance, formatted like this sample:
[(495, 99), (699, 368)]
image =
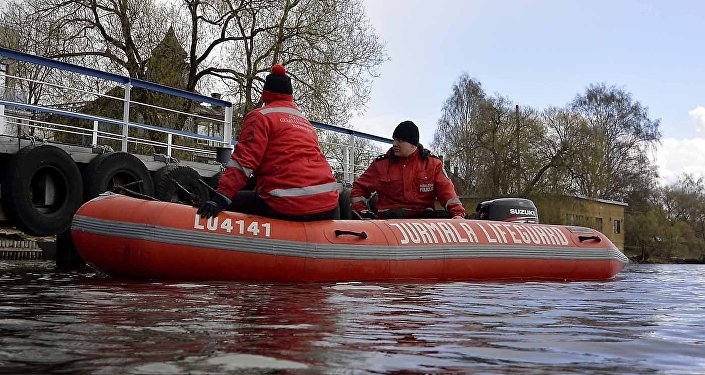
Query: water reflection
[(648, 320)]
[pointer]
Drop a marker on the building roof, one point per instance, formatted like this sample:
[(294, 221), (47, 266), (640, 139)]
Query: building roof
[(606, 201)]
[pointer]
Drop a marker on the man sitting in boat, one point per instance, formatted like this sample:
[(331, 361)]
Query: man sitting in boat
[(408, 180), (278, 145)]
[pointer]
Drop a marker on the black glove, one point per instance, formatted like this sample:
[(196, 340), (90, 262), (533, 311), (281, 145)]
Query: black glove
[(211, 208)]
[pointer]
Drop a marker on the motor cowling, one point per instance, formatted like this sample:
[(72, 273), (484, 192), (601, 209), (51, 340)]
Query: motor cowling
[(518, 210)]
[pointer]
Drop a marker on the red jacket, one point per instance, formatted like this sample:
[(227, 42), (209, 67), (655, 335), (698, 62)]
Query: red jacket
[(280, 147), (412, 183)]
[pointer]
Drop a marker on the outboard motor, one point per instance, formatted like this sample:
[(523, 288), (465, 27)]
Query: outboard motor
[(518, 210)]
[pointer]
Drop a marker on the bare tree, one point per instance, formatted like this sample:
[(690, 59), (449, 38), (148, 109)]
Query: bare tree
[(614, 161), (111, 35), (685, 201), (22, 29), (455, 137), (328, 47), (554, 149), (488, 142)]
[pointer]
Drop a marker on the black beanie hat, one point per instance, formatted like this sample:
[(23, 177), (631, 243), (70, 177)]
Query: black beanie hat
[(278, 81), (407, 131)]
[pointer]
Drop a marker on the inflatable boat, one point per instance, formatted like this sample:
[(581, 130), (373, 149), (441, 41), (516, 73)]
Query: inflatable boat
[(135, 238)]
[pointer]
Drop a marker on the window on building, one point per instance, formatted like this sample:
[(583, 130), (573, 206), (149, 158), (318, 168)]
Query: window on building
[(598, 224), (569, 219), (617, 226)]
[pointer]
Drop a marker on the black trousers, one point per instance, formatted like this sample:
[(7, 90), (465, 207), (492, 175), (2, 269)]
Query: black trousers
[(249, 202)]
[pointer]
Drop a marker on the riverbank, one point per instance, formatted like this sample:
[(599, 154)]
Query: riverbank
[(672, 260), (16, 245)]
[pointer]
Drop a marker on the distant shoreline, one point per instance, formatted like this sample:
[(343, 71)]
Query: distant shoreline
[(636, 259)]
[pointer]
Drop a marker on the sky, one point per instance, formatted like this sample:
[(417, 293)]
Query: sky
[(542, 54)]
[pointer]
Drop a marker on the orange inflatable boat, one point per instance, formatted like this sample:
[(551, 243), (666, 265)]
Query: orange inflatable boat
[(129, 237)]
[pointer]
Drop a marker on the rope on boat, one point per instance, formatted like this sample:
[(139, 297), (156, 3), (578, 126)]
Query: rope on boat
[(132, 193)]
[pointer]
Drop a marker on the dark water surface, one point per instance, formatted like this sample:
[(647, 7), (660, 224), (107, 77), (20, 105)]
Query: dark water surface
[(651, 319)]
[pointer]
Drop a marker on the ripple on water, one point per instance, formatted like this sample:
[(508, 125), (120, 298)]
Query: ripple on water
[(647, 320)]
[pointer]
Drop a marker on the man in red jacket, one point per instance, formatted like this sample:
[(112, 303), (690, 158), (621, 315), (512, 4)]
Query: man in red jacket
[(407, 179), (280, 147)]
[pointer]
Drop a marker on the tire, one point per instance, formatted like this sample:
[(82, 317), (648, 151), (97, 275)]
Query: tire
[(43, 190), (345, 204), (4, 158), (167, 190), (106, 171)]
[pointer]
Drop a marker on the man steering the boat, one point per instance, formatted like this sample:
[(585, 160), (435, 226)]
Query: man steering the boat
[(408, 181), (279, 146)]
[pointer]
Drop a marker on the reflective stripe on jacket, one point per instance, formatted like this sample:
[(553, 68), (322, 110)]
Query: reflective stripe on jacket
[(279, 146), (412, 183)]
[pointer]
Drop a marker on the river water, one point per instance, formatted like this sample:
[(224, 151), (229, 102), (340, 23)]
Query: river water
[(651, 319)]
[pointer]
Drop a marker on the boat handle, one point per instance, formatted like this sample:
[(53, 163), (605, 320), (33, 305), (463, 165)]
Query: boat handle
[(339, 232), (585, 238)]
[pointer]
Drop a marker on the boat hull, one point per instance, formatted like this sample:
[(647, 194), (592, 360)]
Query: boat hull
[(127, 237)]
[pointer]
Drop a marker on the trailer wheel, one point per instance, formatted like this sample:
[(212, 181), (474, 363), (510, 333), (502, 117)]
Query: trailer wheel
[(42, 190), (168, 190), (344, 203), (106, 171), (4, 158)]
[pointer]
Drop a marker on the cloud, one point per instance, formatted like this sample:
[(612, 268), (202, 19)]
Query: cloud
[(674, 157), (697, 114)]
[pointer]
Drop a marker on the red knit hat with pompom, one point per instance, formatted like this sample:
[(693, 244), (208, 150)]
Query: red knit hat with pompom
[(278, 81)]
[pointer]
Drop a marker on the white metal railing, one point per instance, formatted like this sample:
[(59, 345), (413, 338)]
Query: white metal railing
[(345, 163), (95, 135), (127, 84), (29, 117), (124, 137)]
